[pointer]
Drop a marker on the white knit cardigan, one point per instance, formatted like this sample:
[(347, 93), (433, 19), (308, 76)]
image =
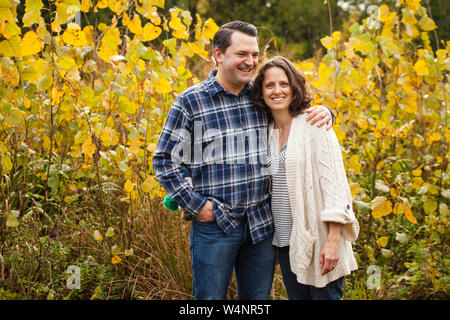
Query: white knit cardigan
[(318, 193)]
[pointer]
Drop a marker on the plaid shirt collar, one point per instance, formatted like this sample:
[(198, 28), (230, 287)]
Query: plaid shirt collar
[(215, 87)]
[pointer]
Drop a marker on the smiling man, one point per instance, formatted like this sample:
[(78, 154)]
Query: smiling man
[(229, 196)]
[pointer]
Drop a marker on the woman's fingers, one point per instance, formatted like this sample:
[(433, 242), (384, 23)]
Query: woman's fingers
[(327, 262)]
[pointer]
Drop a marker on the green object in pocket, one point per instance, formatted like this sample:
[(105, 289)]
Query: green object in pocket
[(170, 204)]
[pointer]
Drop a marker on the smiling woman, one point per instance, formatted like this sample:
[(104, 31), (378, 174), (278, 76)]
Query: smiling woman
[(311, 200), (277, 92)]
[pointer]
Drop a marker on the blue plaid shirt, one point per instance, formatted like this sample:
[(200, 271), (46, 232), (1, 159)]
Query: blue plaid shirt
[(221, 139)]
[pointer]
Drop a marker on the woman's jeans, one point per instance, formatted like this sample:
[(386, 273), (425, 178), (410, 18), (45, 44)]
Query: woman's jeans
[(298, 291), (214, 255)]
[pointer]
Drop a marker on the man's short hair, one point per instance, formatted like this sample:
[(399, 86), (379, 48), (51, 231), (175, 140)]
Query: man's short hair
[(222, 38)]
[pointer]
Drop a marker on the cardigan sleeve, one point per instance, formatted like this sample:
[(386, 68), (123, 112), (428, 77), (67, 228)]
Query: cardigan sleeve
[(333, 183)]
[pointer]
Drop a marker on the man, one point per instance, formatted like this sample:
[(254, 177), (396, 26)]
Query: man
[(223, 141)]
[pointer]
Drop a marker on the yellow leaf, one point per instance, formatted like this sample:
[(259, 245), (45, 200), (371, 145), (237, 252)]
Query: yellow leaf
[(88, 148), (66, 62), (382, 241), (417, 142), (362, 123), (354, 164), (129, 186), (151, 32), (9, 29), (148, 184), (115, 259), (98, 236), (380, 165), (5, 10), (74, 35), (11, 47), (32, 12), (209, 28), (417, 172), (412, 4), (399, 208), (179, 29), (110, 122), (427, 24), (135, 25), (151, 147), (431, 138), (331, 42), (325, 71), (109, 137), (102, 4), (354, 188), (368, 64), (381, 207), (46, 142), (383, 13), (66, 10), (163, 86), (86, 5), (56, 96), (109, 45), (158, 3), (421, 69), (409, 215), (116, 6), (6, 163), (417, 182)]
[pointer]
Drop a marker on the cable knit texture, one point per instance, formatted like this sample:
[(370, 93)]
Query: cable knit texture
[(318, 193)]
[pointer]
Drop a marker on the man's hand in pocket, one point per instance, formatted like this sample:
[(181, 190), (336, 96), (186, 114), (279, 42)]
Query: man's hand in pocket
[(206, 214)]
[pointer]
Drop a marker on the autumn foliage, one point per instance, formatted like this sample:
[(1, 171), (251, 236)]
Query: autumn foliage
[(81, 109)]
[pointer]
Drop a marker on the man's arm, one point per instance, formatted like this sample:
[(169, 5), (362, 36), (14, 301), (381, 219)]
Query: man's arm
[(320, 115), (176, 136)]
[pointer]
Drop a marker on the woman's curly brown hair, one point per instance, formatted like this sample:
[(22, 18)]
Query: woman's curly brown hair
[(301, 99)]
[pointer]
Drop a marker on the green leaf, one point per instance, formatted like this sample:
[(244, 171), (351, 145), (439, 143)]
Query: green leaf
[(115, 250), (110, 232), (12, 222), (53, 182), (430, 206)]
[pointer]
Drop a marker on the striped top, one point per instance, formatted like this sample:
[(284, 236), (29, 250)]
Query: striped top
[(281, 208)]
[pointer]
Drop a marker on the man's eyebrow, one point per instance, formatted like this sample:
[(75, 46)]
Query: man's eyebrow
[(244, 51)]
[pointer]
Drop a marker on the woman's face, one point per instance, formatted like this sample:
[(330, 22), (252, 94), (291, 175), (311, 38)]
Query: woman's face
[(277, 92)]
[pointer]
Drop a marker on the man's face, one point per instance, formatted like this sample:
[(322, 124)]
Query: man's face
[(239, 61)]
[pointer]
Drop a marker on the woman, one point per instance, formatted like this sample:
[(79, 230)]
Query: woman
[(311, 199)]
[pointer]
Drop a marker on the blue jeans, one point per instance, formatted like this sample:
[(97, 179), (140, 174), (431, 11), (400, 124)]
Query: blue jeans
[(298, 291), (215, 255)]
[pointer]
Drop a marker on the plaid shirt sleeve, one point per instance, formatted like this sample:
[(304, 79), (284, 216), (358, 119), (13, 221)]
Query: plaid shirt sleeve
[(167, 162)]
